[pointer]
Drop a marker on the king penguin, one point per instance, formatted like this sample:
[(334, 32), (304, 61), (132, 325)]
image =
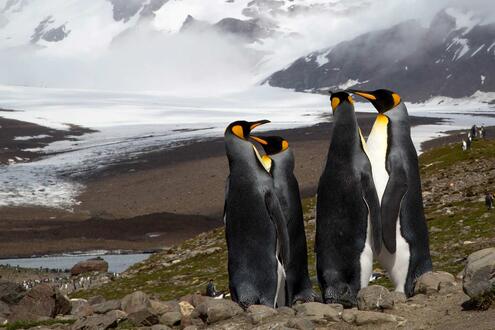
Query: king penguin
[(348, 226), (287, 190), (257, 238), (396, 175)]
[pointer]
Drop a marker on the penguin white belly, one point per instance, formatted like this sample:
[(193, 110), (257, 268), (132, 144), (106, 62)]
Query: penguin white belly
[(366, 257), (396, 264), (280, 295)]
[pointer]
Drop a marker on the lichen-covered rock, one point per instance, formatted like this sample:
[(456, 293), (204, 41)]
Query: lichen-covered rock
[(374, 297), (214, 310), (186, 308), (89, 266), (316, 311), (479, 279), (259, 313), (135, 302), (432, 282)]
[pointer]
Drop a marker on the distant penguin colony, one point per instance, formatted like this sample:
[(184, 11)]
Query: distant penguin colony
[(369, 206)]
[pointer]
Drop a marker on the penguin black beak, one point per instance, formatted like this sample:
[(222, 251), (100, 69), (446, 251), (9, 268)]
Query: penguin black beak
[(253, 125), (366, 95)]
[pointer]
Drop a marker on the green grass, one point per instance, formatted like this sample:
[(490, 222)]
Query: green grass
[(31, 324), (447, 241)]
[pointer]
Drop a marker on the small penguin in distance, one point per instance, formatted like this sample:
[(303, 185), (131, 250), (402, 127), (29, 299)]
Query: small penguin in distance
[(394, 160), (255, 230), (348, 226), (287, 190)]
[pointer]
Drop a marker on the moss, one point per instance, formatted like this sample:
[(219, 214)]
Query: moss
[(31, 324), (455, 237)]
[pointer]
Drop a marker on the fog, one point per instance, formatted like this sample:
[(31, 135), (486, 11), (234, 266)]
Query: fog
[(143, 55)]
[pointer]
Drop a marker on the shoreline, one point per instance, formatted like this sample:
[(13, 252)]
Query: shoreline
[(160, 199)]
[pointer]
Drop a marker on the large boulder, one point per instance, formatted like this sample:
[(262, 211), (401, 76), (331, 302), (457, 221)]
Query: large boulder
[(214, 310), (375, 297), (41, 302), (479, 279), (89, 266), (107, 306), (144, 317), (80, 308), (11, 293), (432, 282), (100, 321)]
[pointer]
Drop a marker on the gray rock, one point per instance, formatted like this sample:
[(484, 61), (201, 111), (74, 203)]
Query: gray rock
[(100, 321), (374, 297), (316, 311), (89, 266), (376, 318), (145, 317), (275, 325), (81, 307), (105, 307), (171, 318), (301, 324), (11, 293), (214, 310), (478, 278), (358, 317), (135, 302), (429, 283), (259, 313)]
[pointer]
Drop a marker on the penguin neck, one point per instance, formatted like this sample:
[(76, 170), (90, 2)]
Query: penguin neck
[(283, 163), (345, 125), (240, 154), (399, 116)]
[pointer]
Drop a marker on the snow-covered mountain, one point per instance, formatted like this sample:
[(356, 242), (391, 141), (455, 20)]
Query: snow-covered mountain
[(223, 46), (454, 56)]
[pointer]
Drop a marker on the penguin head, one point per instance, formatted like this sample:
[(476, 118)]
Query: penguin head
[(241, 128), (271, 144), (340, 101), (382, 99)]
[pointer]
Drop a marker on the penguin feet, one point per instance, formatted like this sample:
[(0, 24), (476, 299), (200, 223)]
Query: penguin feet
[(343, 296), (304, 296)]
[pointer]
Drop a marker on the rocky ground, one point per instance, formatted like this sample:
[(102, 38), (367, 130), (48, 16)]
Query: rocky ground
[(454, 183)]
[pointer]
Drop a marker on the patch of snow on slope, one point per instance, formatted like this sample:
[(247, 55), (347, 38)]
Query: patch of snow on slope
[(322, 58), (477, 50), (461, 50), (350, 83)]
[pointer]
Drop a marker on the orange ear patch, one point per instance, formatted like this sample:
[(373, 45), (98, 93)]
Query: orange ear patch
[(335, 102), (238, 131), (285, 145), (396, 98)]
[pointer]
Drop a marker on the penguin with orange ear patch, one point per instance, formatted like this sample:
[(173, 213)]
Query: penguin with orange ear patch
[(348, 225), (394, 160), (255, 226), (287, 189)]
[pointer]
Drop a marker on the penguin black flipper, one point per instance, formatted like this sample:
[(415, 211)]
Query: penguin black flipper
[(392, 197), (276, 215), (371, 198)]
